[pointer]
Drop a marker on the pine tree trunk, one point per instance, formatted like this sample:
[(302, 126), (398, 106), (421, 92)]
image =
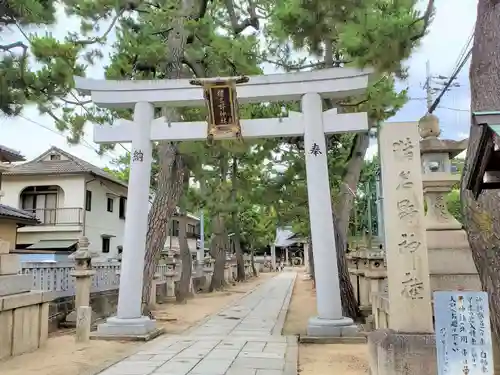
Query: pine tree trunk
[(252, 260), (350, 306), (240, 262), (170, 178), (170, 186), (482, 217), (218, 249), (350, 181), (311, 260), (171, 164), (343, 210), (182, 292)]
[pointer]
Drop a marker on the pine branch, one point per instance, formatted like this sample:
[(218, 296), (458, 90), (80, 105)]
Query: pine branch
[(354, 104), (426, 19), (203, 10), (10, 46), (252, 20), (196, 67), (75, 103), (86, 42)]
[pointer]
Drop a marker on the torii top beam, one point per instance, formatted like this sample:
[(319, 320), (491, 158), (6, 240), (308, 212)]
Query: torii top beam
[(334, 83)]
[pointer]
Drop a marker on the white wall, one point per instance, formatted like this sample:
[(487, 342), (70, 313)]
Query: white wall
[(70, 195), (72, 188), (99, 221), (174, 244)]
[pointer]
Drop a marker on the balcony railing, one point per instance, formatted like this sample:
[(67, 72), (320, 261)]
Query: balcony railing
[(59, 216)]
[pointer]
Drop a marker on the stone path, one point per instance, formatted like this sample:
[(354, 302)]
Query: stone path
[(243, 339)]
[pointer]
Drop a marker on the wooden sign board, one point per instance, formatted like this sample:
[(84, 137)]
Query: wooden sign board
[(223, 119)]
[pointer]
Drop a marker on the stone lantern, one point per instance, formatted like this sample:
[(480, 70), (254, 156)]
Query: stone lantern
[(450, 260), (83, 273), (438, 180)]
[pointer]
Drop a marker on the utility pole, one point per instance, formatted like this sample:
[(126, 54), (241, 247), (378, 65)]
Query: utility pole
[(369, 223), (428, 81), (443, 83)]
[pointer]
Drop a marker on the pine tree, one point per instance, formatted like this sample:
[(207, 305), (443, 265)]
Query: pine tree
[(18, 83), (342, 33)]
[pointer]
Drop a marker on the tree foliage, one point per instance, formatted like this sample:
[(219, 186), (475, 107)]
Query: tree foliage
[(18, 83)]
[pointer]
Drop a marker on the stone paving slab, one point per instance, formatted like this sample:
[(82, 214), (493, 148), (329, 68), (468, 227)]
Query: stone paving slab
[(243, 339)]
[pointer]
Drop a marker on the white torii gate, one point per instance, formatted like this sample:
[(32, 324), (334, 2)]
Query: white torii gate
[(312, 123)]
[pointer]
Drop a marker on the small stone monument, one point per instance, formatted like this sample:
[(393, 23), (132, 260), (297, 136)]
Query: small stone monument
[(83, 273)]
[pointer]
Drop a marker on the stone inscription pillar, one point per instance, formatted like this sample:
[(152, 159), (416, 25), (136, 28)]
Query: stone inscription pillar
[(405, 232)]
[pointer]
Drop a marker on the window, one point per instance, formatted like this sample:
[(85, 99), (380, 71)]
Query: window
[(110, 205), (191, 231), (106, 244), (88, 200), (55, 157), (122, 207), (175, 228)]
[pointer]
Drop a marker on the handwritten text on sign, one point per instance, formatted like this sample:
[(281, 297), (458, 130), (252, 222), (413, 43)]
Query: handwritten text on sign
[(463, 335), (221, 105)]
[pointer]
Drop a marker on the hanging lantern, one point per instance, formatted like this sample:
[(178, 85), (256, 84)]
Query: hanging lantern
[(222, 106)]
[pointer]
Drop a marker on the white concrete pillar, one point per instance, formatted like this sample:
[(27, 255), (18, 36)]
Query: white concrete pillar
[(273, 257), (129, 319), (329, 321)]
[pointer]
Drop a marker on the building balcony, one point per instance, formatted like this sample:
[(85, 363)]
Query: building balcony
[(67, 218)]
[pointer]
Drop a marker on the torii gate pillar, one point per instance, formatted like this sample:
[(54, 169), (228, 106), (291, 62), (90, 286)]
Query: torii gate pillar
[(312, 123), (329, 321)]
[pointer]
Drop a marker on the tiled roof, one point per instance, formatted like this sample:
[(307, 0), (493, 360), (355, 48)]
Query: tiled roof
[(15, 213), (73, 165), (9, 155)]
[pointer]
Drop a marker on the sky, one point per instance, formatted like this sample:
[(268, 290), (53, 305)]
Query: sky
[(32, 134)]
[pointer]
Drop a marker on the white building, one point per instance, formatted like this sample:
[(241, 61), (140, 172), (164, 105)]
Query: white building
[(71, 198), (192, 232)]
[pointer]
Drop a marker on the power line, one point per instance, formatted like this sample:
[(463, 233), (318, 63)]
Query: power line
[(450, 81), (455, 109), (88, 112), (464, 48), (462, 58), (84, 142)]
